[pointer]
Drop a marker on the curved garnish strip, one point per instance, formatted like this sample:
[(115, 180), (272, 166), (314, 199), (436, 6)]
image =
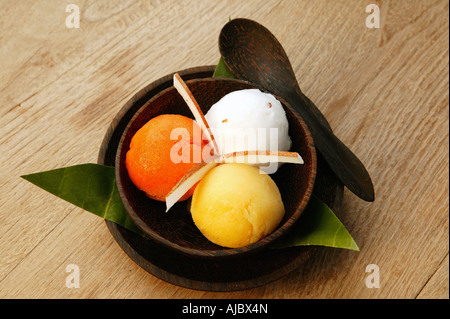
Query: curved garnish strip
[(184, 91), (194, 175), (260, 157)]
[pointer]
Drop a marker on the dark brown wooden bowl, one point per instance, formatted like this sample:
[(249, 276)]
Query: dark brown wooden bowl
[(176, 229)]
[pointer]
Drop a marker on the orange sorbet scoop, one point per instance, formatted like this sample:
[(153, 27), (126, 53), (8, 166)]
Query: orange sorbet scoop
[(156, 163)]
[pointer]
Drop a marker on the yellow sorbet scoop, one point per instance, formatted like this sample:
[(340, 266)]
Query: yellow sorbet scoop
[(235, 205)]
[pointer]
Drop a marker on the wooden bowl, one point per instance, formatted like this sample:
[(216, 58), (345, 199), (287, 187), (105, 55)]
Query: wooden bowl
[(176, 229)]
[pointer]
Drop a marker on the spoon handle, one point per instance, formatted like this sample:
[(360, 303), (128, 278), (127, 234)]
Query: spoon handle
[(313, 109), (346, 165)]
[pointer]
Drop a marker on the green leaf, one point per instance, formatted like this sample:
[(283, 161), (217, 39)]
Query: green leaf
[(91, 187), (222, 71), (318, 226)]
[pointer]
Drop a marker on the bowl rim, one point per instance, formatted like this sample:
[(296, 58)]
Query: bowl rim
[(224, 251)]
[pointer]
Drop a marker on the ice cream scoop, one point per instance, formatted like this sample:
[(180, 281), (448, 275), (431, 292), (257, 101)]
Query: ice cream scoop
[(150, 163), (249, 120), (235, 205)]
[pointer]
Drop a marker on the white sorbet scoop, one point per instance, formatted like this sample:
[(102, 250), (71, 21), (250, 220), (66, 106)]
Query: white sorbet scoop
[(249, 120)]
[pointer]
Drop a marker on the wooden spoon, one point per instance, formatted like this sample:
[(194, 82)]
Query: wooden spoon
[(251, 52)]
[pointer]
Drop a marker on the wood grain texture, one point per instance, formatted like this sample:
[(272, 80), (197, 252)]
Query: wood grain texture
[(437, 286), (384, 92)]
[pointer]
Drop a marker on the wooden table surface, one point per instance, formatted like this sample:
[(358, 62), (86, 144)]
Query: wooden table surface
[(384, 91)]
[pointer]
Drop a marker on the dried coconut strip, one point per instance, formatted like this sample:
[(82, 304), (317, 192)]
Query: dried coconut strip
[(260, 157), (194, 175), (184, 91)]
